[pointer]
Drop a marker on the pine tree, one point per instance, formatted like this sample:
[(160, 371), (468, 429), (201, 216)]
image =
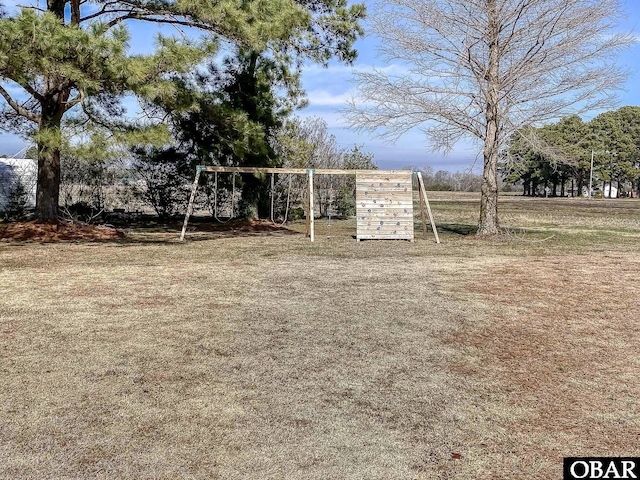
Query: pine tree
[(73, 57)]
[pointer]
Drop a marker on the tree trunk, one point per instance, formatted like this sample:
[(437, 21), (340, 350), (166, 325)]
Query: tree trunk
[(573, 188), (488, 224), (48, 187), (489, 201), (580, 185), (256, 198)]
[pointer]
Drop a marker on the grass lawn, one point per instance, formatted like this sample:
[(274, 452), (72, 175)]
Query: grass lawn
[(241, 355)]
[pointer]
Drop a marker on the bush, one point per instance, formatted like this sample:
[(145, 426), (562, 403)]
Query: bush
[(84, 186), (165, 186)]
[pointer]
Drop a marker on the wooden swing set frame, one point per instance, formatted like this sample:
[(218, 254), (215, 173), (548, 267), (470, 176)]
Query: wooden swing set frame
[(425, 208)]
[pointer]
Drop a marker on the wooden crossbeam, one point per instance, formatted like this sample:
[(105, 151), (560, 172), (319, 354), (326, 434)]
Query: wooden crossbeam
[(316, 171)]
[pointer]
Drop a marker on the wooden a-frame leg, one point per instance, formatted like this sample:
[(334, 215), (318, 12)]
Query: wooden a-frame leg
[(426, 201), (190, 207)]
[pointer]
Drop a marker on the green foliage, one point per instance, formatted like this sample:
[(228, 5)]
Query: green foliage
[(34, 46), (345, 199), (561, 152), (74, 65), (617, 135), (32, 152), (357, 159), (14, 192), (227, 116)]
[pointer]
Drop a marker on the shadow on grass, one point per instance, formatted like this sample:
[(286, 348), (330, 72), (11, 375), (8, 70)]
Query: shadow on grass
[(203, 231), (461, 229), (466, 230)]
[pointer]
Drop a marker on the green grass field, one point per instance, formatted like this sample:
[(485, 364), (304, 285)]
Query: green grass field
[(257, 355)]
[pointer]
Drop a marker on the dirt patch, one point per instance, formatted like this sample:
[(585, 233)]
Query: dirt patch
[(256, 226), (205, 228), (57, 232), (238, 226)]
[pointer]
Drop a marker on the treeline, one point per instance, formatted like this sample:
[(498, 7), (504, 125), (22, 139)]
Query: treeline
[(239, 113), (161, 181), (446, 181), (556, 160)]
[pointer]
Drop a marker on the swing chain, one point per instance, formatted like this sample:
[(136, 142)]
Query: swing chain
[(215, 197), (330, 207), (286, 211)]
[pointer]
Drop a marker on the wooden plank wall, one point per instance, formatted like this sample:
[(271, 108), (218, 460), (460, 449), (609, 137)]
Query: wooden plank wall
[(384, 205)]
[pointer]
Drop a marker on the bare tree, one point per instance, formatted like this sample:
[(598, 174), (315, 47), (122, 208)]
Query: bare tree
[(308, 144), (482, 69)]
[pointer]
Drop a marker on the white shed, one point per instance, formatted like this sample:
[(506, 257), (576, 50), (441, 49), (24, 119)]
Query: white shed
[(610, 191), (18, 180)]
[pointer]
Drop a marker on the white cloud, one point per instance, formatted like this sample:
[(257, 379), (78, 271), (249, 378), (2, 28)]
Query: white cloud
[(333, 119), (324, 98), (342, 69)]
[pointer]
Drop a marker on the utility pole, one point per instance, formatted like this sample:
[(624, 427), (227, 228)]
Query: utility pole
[(591, 174)]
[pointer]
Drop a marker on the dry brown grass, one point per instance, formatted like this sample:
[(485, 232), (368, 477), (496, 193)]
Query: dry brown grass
[(561, 341), (259, 355)]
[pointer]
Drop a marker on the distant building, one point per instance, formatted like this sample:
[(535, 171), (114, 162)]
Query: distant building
[(18, 180)]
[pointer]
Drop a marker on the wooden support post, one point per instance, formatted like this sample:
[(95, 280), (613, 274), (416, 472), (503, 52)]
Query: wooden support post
[(426, 201), (311, 214), (307, 232), (191, 202), (422, 211), (273, 186)]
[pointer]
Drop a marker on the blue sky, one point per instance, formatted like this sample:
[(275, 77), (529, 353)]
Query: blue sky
[(329, 88)]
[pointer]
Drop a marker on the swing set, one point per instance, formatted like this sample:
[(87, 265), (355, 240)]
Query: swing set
[(215, 198), (384, 200), (233, 198)]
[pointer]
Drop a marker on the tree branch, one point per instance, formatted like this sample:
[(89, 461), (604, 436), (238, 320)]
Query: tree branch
[(32, 91), (152, 17), (74, 101), (75, 12), (19, 109), (104, 10)]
